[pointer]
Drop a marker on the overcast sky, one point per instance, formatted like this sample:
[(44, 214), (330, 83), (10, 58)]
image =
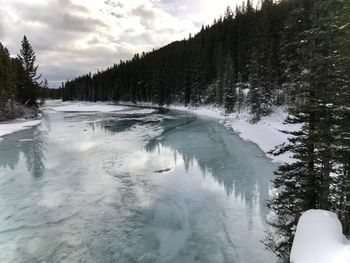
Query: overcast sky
[(71, 37)]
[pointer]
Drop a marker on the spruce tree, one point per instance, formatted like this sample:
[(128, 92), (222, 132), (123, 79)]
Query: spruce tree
[(320, 82), (230, 96), (28, 87)]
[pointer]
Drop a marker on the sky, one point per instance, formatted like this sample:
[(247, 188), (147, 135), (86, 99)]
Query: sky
[(73, 37)]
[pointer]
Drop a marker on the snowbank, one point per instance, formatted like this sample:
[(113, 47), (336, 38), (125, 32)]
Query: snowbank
[(319, 239), (266, 133), (139, 111), (11, 127), (86, 107)]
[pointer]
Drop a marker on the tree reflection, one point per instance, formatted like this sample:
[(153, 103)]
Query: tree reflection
[(34, 152), (204, 142), (9, 155), (32, 144)]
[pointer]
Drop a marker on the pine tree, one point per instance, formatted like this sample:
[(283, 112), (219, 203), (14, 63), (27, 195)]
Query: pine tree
[(240, 87), (339, 80), (230, 96), (321, 83), (28, 88), (7, 85)]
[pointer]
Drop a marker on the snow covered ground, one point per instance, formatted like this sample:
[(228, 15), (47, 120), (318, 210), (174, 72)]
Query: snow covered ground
[(70, 106), (17, 125), (319, 239), (83, 106)]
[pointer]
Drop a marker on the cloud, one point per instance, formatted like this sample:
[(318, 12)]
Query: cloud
[(147, 16), (72, 37)]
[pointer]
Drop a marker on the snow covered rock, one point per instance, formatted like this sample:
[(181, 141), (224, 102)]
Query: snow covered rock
[(319, 239)]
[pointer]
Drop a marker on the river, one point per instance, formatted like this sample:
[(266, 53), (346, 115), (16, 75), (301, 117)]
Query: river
[(132, 187)]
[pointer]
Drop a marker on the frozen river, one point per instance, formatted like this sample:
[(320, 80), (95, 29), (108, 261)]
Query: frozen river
[(132, 187)]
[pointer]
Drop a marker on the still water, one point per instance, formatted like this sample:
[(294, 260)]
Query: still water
[(129, 187)]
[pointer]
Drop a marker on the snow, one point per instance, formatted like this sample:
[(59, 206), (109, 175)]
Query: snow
[(84, 107), (18, 125), (272, 218), (139, 111), (265, 133), (26, 140), (344, 26), (319, 239)]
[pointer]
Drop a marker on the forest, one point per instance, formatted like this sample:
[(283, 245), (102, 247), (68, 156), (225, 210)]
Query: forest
[(21, 90)]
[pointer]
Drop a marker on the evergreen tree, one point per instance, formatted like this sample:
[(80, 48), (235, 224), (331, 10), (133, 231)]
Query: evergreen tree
[(230, 96), (259, 97), (319, 79), (7, 92), (240, 87), (28, 87)]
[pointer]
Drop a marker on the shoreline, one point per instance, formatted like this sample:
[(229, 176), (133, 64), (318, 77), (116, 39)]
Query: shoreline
[(16, 125)]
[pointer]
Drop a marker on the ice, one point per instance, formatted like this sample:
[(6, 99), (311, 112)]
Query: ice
[(139, 111), (84, 188), (84, 107), (319, 239)]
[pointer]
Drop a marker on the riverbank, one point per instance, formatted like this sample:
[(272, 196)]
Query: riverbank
[(18, 117), (16, 125), (266, 133)]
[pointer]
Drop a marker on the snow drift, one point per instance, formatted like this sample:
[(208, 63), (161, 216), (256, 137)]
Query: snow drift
[(319, 239)]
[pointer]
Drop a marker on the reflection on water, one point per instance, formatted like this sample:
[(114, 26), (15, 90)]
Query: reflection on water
[(131, 188), (32, 147)]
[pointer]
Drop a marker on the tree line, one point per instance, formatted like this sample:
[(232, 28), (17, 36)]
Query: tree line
[(238, 53), (294, 53), (20, 85)]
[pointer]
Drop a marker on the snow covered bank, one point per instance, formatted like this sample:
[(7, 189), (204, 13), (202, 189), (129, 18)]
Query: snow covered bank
[(18, 125), (84, 107), (265, 133), (319, 239), (139, 111)]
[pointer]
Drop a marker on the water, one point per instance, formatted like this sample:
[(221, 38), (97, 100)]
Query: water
[(162, 187)]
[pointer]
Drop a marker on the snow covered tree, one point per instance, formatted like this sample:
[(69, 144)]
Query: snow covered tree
[(320, 83), (259, 96), (339, 80), (230, 96), (240, 87)]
